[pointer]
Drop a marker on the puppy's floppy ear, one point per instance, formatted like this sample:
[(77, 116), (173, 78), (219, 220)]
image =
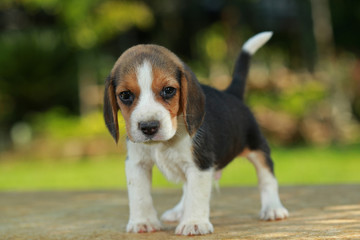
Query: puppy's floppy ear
[(111, 108), (192, 101)]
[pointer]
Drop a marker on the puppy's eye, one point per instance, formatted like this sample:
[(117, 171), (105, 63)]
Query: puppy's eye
[(168, 92), (127, 97)]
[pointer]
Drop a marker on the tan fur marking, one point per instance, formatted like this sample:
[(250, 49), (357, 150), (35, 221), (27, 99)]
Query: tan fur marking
[(162, 79), (114, 110), (184, 93), (192, 102), (260, 156), (129, 83), (245, 152)]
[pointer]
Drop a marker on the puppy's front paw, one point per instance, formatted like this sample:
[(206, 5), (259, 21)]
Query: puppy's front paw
[(271, 213), (172, 215), (143, 226), (194, 228)]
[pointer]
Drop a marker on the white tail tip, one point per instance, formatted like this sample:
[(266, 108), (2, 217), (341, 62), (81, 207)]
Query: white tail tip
[(256, 42)]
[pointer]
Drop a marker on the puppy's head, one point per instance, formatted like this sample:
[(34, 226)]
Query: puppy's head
[(152, 88)]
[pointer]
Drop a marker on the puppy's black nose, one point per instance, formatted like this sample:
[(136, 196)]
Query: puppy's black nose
[(149, 128)]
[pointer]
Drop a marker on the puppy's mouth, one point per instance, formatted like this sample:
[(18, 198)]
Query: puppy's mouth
[(147, 141), (154, 139), (150, 142), (144, 139), (157, 138)]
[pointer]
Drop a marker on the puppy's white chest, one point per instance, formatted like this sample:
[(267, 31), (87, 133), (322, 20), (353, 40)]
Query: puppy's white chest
[(171, 157), (171, 163)]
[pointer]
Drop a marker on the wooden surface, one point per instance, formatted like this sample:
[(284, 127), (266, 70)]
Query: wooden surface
[(316, 212)]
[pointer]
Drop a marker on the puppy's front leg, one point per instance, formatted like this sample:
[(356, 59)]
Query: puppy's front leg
[(195, 220), (143, 217)]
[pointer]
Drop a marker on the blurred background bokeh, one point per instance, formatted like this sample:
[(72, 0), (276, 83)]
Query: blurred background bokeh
[(304, 85)]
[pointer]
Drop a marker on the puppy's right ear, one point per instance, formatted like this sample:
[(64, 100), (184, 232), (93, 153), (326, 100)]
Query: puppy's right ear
[(111, 108), (192, 101)]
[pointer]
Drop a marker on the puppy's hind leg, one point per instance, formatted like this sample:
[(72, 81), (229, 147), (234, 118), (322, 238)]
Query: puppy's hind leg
[(271, 206), (175, 214)]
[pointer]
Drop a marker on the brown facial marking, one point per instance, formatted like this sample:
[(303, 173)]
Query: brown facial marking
[(128, 83), (162, 79)]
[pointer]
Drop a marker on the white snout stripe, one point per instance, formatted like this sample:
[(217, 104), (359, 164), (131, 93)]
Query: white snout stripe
[(148, 109)]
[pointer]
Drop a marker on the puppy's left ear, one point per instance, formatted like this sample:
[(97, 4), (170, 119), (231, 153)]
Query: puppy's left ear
[(192, 101), (111, 108)]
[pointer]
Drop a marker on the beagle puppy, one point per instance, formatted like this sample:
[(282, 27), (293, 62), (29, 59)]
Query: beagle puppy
[(188, 130)]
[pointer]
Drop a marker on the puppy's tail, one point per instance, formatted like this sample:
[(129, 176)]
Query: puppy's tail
[(237, 86)]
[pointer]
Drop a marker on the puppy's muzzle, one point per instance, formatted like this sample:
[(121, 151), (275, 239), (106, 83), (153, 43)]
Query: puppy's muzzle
[(149, 128)]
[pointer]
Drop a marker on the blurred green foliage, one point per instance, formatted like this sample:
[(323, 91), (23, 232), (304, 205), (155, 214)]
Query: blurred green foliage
[(295, 101), (212, 43), (25, 85), (88, 23), (47, 46), (55, 55), (58, 124)]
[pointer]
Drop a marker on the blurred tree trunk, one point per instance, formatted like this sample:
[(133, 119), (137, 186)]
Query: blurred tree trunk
[(88, 94), (322, 27), (340, 114)]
